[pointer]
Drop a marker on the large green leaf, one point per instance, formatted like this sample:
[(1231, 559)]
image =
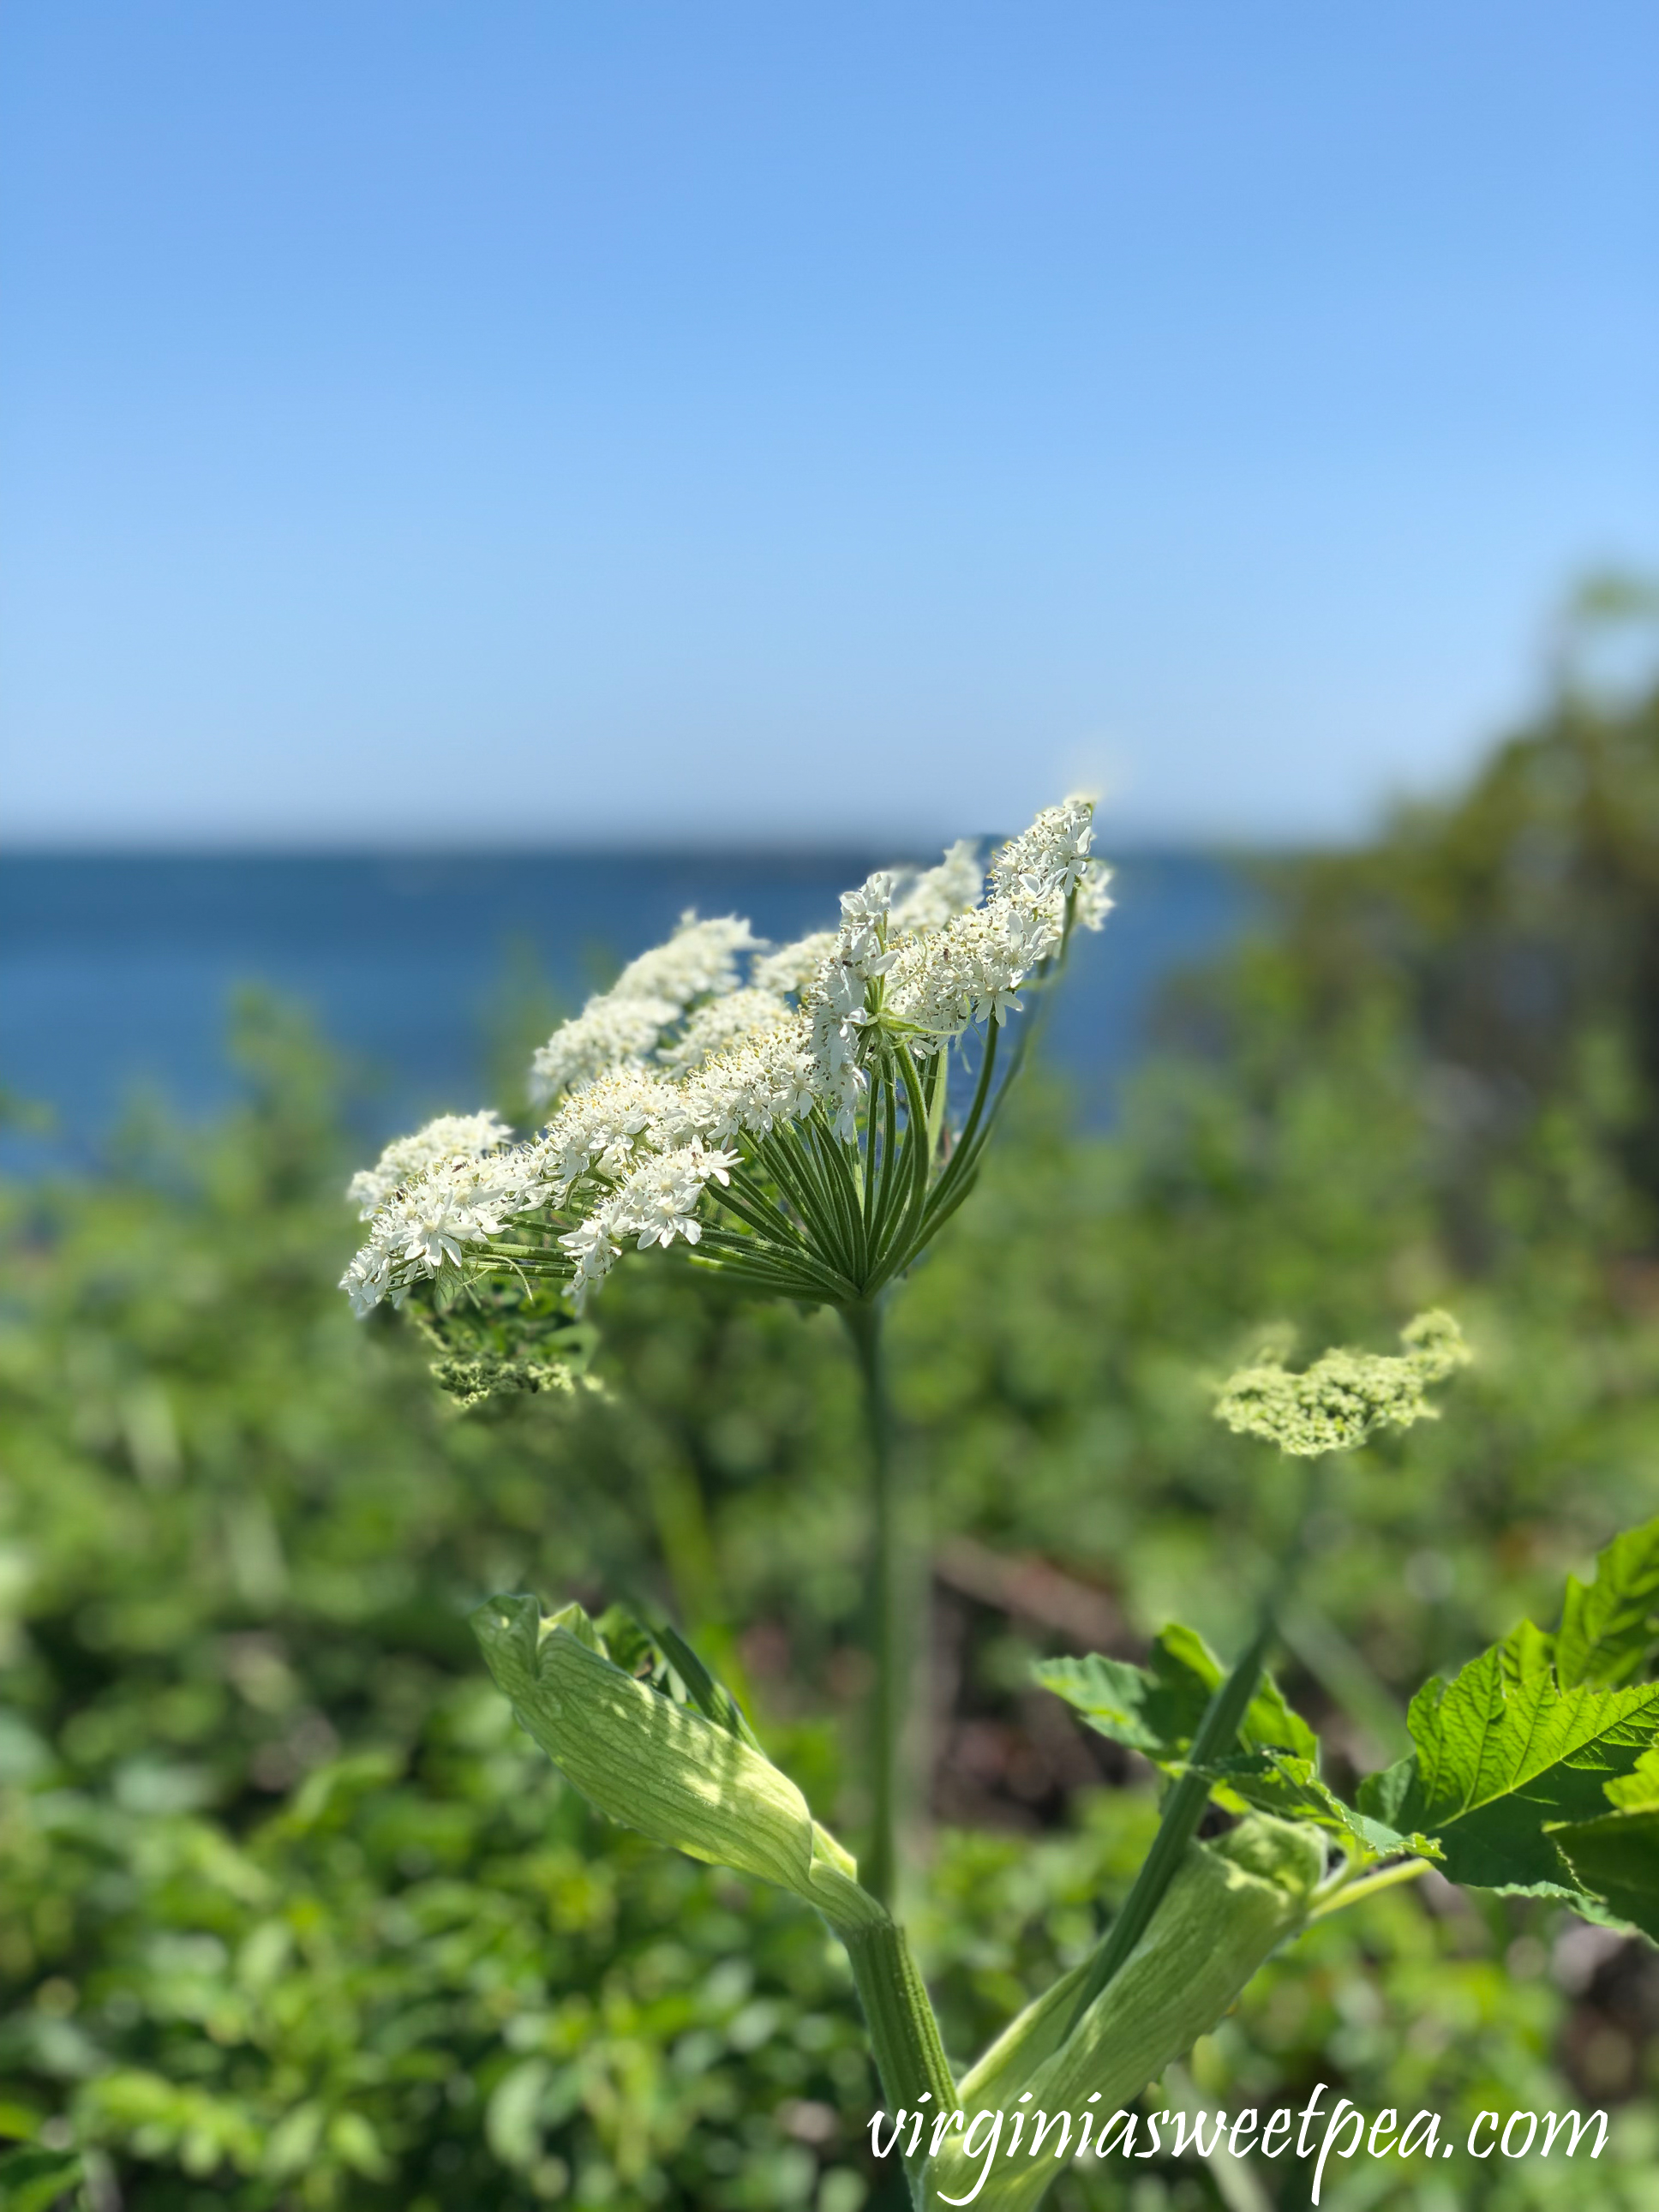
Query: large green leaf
[(1616, 1855), (1504, 1753), (1610, 1626)]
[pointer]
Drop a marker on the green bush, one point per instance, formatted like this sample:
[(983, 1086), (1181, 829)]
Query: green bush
[(293, 1916)]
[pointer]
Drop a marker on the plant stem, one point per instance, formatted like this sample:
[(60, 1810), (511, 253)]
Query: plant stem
[(903, 2032), (878, 1870), (1344, 1892), (1183, 1809)]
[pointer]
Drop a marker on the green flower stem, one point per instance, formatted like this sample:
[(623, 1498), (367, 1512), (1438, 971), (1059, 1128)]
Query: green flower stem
[(1339, 1667), (878, 1870), (913, 1208), (884, 1181), (1183, 1809), (1348, 1889), (903, 2034)]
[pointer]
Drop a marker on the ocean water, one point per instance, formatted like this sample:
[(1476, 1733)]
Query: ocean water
[(117, 971)]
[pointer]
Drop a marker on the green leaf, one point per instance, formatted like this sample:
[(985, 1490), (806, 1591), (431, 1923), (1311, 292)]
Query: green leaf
[(622, 1638), (1293, 1789), (1637, 1790), (34, 2179), (710, 1696), (1157, 1709), (1503, 1753), (1616, 1857), (1608, 1628)]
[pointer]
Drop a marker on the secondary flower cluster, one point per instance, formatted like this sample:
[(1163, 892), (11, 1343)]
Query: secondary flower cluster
[(660, 1083), (1345, 1397)]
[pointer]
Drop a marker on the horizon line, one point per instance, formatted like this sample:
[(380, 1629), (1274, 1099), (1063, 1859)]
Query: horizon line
[(1135, 844)]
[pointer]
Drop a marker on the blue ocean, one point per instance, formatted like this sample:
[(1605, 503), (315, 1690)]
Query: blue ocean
[(117, 972)]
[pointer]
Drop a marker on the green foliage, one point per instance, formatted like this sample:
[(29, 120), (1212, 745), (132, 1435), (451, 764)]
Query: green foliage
[(435, 1983), (1609, 1630), (33, 2179), (1156, 1710), (1503, 1753), (240, 1536), (1513, 1768)]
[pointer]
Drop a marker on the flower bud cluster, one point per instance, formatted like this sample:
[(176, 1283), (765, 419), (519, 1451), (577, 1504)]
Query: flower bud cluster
[(1345, 1397)]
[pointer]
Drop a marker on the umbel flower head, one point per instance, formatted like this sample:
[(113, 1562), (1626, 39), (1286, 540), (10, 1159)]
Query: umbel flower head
[(792, 1128), (1345, 1397)]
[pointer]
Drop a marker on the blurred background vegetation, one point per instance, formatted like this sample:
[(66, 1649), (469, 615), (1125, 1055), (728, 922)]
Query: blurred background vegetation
[(293, 1918)]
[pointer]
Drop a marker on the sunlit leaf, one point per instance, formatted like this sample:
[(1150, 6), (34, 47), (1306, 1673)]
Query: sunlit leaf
[(1501, 1756), (1609, 1626)]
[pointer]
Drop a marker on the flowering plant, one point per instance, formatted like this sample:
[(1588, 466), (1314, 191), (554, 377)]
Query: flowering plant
[(792, 1131), (804, 1131)]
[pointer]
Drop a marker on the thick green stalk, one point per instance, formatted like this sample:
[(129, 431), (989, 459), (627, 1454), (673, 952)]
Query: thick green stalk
[(879, 1866), (1183, 1809), (903, 2032)]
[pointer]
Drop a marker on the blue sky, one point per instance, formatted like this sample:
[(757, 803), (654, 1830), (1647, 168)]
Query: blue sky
[(439, 424)]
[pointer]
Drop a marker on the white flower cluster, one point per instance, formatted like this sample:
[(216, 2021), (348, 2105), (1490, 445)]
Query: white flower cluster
[(929, 900), (620, 1027), (465, 1135), (710, 1029), (791, 967), (420, 1228), (658, 1077), (654, 1204), (970, 967)]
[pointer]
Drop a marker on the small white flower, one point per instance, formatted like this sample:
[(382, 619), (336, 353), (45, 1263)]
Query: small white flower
[(656, 1203), (1094, 900), (423, 1227), (599, 1127), (1046, 859)]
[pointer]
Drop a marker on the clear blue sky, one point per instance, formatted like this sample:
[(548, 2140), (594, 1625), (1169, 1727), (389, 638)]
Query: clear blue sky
[(438, 423)]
